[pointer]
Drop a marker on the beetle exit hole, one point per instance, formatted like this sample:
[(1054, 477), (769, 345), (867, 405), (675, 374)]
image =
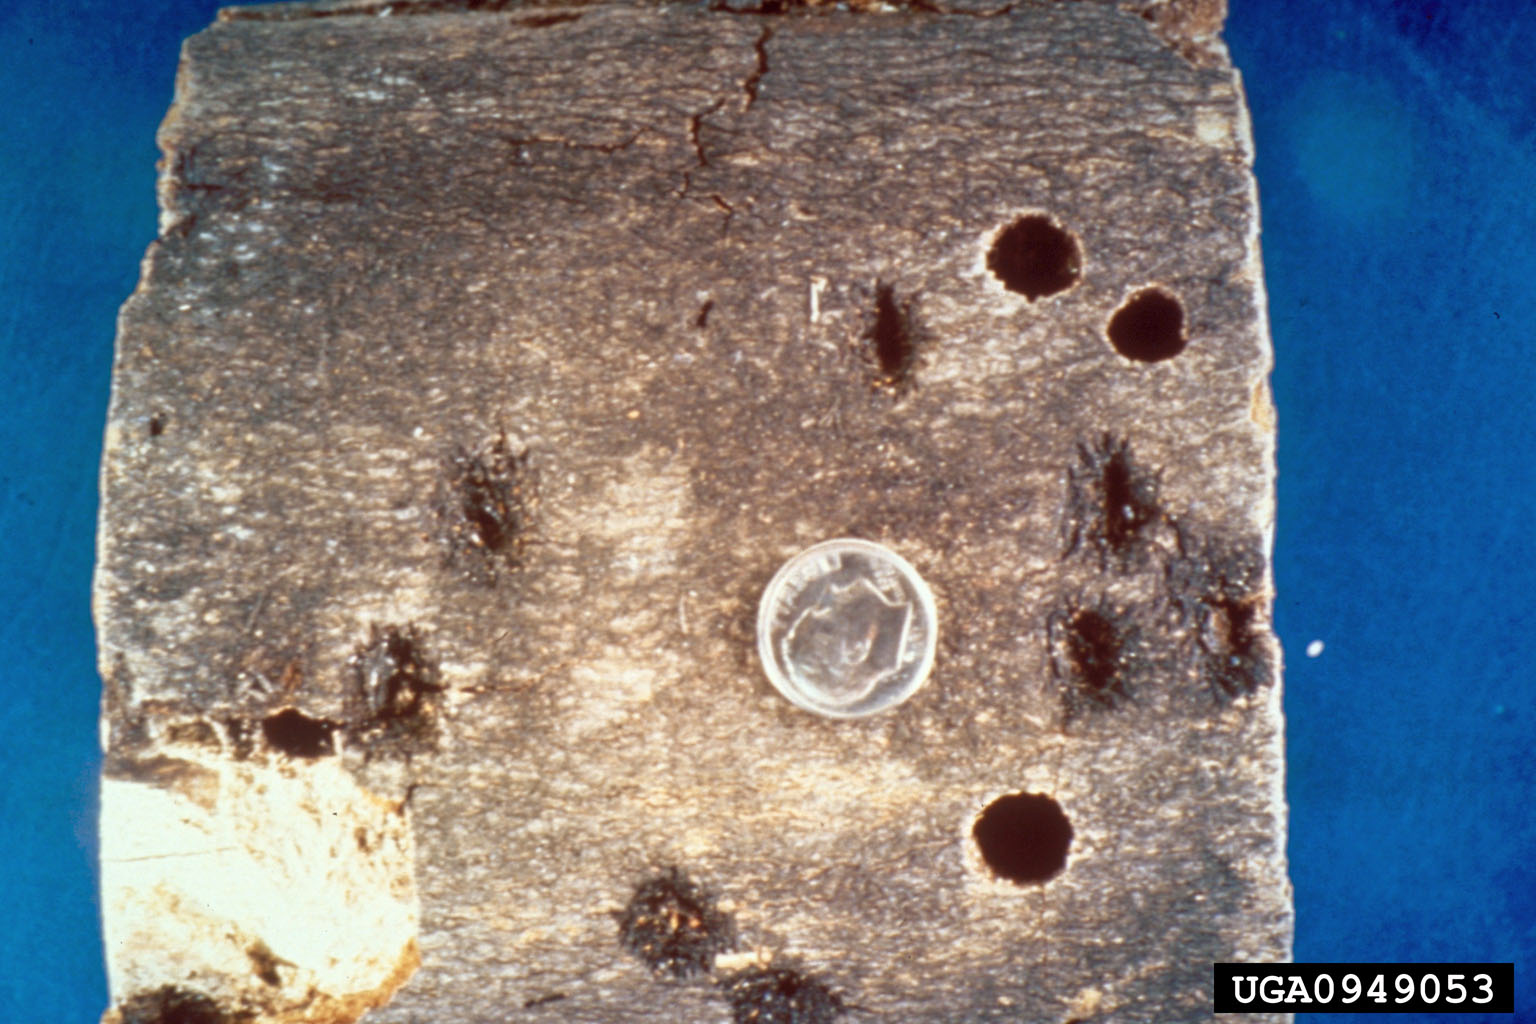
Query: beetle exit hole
[(297, 735), (1023, 837), (1034, 257), (1148, 327)]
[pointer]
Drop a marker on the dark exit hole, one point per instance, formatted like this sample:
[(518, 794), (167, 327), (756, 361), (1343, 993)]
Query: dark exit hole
[(1023, 837), (1035, 258), (1149, 327), (298, 735)]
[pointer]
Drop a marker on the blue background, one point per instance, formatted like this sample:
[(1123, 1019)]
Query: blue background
[(1397, 169)]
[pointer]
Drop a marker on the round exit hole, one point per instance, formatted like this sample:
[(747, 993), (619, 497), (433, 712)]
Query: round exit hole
[(1148, 327), (1034, 257), (1023, 837)]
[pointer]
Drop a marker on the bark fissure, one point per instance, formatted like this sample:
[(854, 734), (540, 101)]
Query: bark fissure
[(695, 122), (755, 79)]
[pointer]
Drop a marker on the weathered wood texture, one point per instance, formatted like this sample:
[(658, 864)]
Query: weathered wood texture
[(488, 365)]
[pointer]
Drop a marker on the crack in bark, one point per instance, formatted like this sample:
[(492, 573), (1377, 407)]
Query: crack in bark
[(715, 198), (695, 121), (730, 211), (755, 79), (749, 88)]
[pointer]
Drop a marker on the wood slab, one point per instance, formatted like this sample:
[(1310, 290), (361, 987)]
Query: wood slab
[(491, 360)]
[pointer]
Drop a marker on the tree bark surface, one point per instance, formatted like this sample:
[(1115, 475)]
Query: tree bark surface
[(488, 365)]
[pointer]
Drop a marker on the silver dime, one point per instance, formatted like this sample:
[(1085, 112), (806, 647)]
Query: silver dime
[(847, 628)]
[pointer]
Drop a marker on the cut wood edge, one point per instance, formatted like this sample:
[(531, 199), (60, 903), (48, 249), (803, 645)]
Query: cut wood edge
[(283, 889)]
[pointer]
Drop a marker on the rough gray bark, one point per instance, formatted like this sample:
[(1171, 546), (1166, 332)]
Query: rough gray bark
[(488, 365)]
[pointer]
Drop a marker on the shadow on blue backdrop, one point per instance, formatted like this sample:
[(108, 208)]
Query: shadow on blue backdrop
[(1397, 161)]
